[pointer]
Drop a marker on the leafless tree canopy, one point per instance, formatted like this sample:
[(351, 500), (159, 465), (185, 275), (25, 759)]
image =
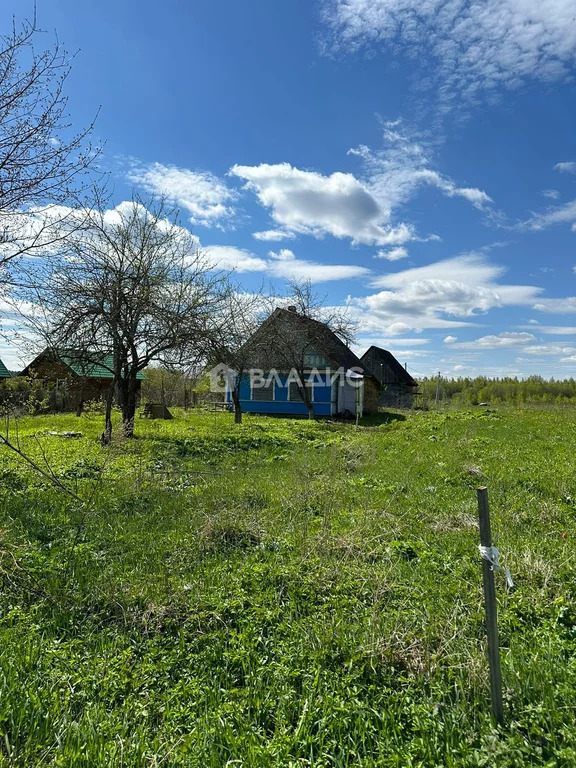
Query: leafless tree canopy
[(43, 162), (242, 315), (131, 284)]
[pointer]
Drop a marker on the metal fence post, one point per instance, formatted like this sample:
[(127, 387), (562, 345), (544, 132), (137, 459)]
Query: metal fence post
[(490, 606)]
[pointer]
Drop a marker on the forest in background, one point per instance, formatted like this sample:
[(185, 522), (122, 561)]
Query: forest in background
[(511, 390)]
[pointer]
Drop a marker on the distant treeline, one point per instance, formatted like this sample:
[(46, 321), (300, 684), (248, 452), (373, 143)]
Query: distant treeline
[(515, 391)]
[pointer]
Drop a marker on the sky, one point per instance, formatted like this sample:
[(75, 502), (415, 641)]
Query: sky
[(415, 159)]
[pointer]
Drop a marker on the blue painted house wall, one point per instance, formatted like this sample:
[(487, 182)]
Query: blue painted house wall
[(281, 404)]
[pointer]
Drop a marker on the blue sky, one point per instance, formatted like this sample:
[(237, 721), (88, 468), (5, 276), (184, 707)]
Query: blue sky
[(415, 159)]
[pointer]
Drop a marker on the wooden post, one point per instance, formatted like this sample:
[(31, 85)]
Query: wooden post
[(490, 606)]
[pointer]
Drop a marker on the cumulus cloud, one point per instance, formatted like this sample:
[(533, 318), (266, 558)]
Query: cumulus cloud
[(470, 47), (395, 254), (273, 235), (450, 339), (447, 294), (506, 339), (205, 197), (344, 206), (568, 167), (309, 203), (548, 349)]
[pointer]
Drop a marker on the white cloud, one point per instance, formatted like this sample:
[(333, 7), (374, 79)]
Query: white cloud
[(387, 343), (344, 206), (548, 349), (395, 254), (471, 47), (450, 339), (285, 264), (559, 214), (506, 339), (204, 196), (462, 286), (556, 330), (273, 234), (551, 194), (563, 306), (446, 294), (284, 254), (403, 166), (309, 203), (282, 264), (397, 329), (239, 259), (568, 167)]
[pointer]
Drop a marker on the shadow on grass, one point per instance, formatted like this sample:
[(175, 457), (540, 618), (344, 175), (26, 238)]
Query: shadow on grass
[(384, 417)]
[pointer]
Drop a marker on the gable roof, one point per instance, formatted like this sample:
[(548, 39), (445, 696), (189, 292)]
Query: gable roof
[(99, 367), (4, 372), (318, 335), (383, 356)]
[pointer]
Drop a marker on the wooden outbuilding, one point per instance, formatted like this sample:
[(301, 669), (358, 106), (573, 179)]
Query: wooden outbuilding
[(74, 379), (397, 387)]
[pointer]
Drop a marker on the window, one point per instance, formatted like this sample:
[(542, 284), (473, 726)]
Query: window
[(315, 361), (263, 393), (294, 393)]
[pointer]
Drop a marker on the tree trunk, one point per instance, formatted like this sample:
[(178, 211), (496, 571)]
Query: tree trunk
[(310, 410), (106, 437), (128, 388), (237, 407)]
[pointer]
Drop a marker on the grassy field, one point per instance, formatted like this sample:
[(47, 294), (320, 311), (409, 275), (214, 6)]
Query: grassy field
[(287, 593)]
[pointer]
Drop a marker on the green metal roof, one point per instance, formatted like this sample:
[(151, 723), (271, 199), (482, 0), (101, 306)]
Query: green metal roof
[(101, 370), (4, 372)]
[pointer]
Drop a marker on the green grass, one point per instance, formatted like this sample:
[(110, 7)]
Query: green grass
[(287, 593)]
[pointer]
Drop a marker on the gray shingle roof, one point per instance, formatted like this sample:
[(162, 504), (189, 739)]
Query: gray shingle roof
[(384, 356), (317, 336)]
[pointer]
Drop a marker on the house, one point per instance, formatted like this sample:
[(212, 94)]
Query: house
[(288, 347), (75, 380), (4, 372), (397, 387)]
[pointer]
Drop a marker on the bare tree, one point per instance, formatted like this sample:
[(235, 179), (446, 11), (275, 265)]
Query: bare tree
[(131, 288), (43, 165), (242, 314)]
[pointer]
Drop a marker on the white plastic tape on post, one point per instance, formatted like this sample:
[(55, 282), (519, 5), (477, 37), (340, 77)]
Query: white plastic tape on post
[(493, 556)]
